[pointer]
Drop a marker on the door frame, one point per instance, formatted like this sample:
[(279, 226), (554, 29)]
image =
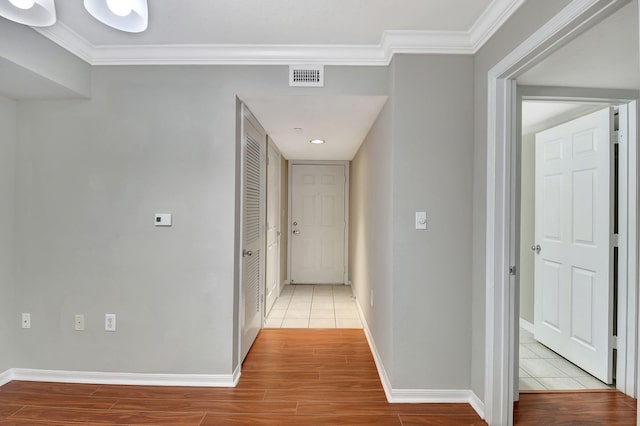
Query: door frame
[(500, 285), (345, 164), (627, 229)]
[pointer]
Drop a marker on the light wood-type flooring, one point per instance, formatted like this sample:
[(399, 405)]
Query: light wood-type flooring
[(290, 377)]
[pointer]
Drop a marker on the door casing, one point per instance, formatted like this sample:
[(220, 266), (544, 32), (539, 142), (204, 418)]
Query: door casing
[(501, 248)]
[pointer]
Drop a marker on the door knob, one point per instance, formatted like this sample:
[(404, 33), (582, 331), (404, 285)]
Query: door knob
[(296, 232), (536, 248), (247, 253)]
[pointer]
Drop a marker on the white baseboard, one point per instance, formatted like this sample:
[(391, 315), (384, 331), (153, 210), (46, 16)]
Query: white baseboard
[(417, 396), (526, 325), (477, 404), (6, 377), (384, 378), (150, 379)]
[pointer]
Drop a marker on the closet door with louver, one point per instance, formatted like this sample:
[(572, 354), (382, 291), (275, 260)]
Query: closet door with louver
[(253, 217)]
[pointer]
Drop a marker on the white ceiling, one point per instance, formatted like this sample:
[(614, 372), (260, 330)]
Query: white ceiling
[(541, 115), (342, 121), (278, 21), (332, 32), (606, 56)]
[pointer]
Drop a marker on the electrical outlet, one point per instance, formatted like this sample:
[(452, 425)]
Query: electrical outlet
[(79, 322), (109, 322), (26, 320)]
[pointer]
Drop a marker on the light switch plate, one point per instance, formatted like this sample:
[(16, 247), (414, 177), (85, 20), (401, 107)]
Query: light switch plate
[(421, 220), (163, 219)]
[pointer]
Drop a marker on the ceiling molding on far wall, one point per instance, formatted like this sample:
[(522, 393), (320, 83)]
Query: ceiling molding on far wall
[(393, 41)]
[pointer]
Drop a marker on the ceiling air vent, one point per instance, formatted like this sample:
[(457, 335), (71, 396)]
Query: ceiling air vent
[(306, 75)]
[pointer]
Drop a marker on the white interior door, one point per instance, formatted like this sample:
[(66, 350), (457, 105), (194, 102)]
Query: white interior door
[(273, 227), (317, 223), (573, 223), (253, 214)]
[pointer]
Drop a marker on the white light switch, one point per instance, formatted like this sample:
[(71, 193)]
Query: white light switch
[(421, 220), (163, 219)]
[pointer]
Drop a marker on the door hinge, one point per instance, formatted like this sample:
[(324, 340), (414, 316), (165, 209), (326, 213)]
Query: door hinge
[(614, 342), (618, 137), (615, 240), (513, 270)]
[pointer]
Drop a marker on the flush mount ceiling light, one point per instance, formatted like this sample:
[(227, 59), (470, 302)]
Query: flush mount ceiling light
[(131, 16), (317, 141), (36, 13)]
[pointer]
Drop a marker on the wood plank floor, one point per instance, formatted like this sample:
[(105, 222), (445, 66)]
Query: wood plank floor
[(290, 377), (584, 408)]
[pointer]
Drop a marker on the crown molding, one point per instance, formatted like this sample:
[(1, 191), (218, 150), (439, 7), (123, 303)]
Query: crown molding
[(393, 42), (491, 20)]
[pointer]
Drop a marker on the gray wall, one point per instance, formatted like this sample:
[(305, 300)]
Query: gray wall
[(9, 320), (527, 226), (370, 239), (527, 19), (432, 172), (417, 156), (65, 72), (90, 176)]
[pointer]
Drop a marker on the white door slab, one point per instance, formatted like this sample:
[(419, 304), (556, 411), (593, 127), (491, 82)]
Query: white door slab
[(573, 224), (318, 224), (273, 227)]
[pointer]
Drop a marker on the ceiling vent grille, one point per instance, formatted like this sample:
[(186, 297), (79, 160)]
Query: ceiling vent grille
[(306, 75)]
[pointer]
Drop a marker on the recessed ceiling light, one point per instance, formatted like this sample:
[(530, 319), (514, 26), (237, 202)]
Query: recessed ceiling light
[(297, 129), (317, 141)]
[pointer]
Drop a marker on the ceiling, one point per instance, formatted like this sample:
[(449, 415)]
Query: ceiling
[(332, 32), (278, 22), (292, 121), (541, 115)]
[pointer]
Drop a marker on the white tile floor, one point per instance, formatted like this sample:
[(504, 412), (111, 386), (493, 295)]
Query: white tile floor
[(314, 306), (543, 369)]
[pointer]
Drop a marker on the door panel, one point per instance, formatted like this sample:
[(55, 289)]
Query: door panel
[(273, 227), (253, 190), (573, 285), (318, 224)]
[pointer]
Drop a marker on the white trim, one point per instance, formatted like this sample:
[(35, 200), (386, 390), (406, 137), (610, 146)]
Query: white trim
[(417, 396), (60, 376), (526, 325), (6, 377), (566, 25), (498, 12), (392, 42), (384, 378)]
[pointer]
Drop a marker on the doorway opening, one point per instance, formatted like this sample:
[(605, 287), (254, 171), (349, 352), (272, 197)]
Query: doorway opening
[(297, 194), (502, 182), (569, 264)]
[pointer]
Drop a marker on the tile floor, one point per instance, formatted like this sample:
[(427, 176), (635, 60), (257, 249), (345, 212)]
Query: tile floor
[(314, 306), (543, 369)]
